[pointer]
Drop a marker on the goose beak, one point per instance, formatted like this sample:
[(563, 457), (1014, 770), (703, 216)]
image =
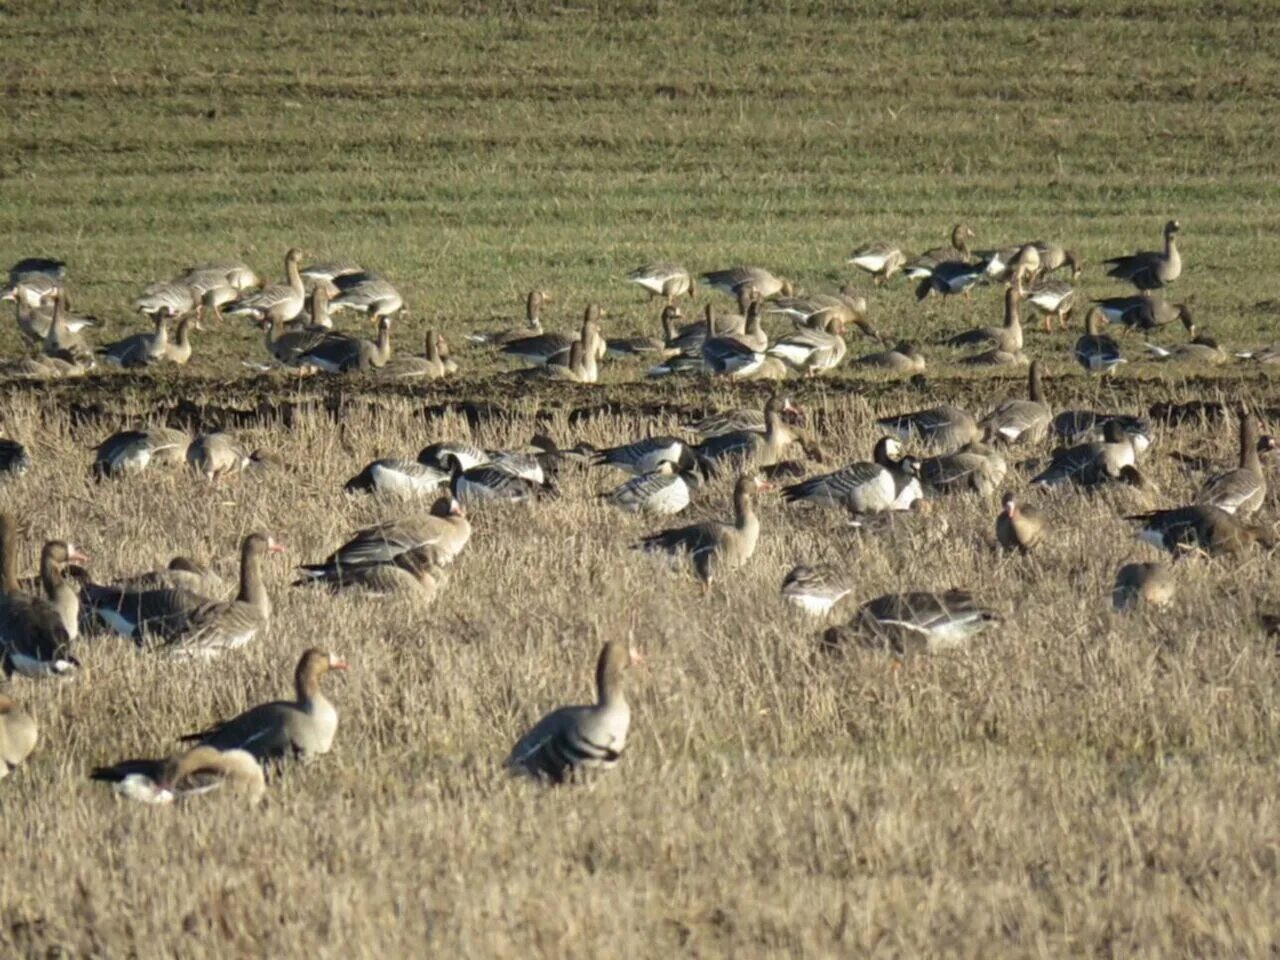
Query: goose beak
[(74, 555), (336, 662), (636, 656), (274, 545)]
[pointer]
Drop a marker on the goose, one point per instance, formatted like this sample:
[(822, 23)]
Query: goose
[(715, 547), (1095, 351), (1018, 527), (847, 306), (920, 268), (1143, 312), (727, 421), (1197, 349), (43, 266), (192, 773), (217, 455), (303, 727), (733, 280), (18, 735), (180, 572), (62, 340), (761, 448), (1240, 491), (1007, 337), (881, 260), (1268, 354), (995, 357), (1142, 584), (14, 458), (441, 455), (575, 367), (234, 273), (541, 349), (973, 467), (1011, 264), (367, 293), (814, 590), (132, 451), (903, 357), (730, 357), (55, 558), (950, 277), (139, 349), (1090, 463), (339, 353), (411, 575), (436, 539), (286, 345), (810, 351), (640, 345), (178, 347), (186, 622), (33, 637), (645, 456), (889, 482), (1020, 421), (32, 290), (330, 270), (278, 301), (532, 323), (570, 741), (688, 339), (398, 478), (1149, 270), (433, 364), (917, 622), (492, 481), (1054, 257), (1052, 299), (1081, 426), (666, 280), (1203, 527), (943, 427), (166, 299), (663, 491)]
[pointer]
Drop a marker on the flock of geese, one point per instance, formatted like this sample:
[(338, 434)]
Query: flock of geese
[(175, 611)]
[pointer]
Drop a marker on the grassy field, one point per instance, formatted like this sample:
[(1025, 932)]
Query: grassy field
[(1076, 783)]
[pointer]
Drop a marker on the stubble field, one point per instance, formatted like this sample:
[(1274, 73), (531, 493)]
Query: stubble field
[(1075, 783)]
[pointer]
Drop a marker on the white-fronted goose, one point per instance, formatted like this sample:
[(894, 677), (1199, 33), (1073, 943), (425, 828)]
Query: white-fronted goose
[(1198, 349), (339, 353), (1052, 299), (881, 260), (663, 491), (762, 449), (568, 742), (33, 638), (666, 280), (1016, 264), (330, 270), (1020, 421), (532, 323), (688, 339), (889, 482), (764, 283), (180, 572), (727, 421), (436, 539), (410, 575), (166, 299), (917, 622), (398, 478), (277, 301), (1007, 337), (543, 348), (44, 368), (18, 735), (1018, 527), (302, 728), (996, 357), (1242, 490), (1149, 270), (1202, 528), (217, 455), (1095, 351), (903, 357), (1142, 584), (32, 290), (187, 623), (974, 467), (55, 557), (814, 590), (132, 451), (62, 341), (944, 427), (368, 293), (193, 773), (14, 459), (1080, 426), (1054, 257), (1268, 354), (816, 311), (139, 349), (432, 364), (236, 273), (1145, 313), (577, 366), (811, 351), (920, 267), (715, 547), (645, 456), (1088, 464), (178, 347)]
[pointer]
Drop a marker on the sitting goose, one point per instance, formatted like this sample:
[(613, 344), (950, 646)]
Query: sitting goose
[(1144, 312), (1149, 270), (283, 729), (1197, 349), (812, 351), (532, 323), (1095, 351), (663, 491), (715, 547), (324, 274), (727, 421), (1145, 584), (192, 773), (62, 341), (497, 481), (889, 482), (921, 267), (916, 622), (432, 364), (974, 467), (733, 280), (398, 478), (139, 349), (814, 590), (1020, 421), (18, 735), (177, 349), (279, 302), (1089, 464), (543, 348), (218, 455), (1007, 337), (411, 575), (180, 572), (944, 427), (666, 280), (761, 448), (368, 293), (436, 540), (1052, 299), (1240, 491), (1019, 528), (1203, 528), (903, 357), (132, 451), (570, 741), (441, 455), (187, 623), (1080, 426), (339, 353), (577, 366), (647, 455), (881, 260), (34, 641)]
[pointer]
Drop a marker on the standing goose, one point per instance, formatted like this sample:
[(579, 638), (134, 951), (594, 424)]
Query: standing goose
[(1142, 584), (1021, 421), (192, 773), (814, 590), (944, 427), (1017, 263), (917, 622), (949, 278), (733, 280), (1200, 528), (666, 280), (139, 349), (166, 299), (817, 311), (570, 741), (1091, 463), (812, 351), (282, 729), (1095, 351), (368, 293), (33, 638), (1007, 337), (921, 267), (1240, 491), (1149, 270), (532, 323), (764, 449), (903, 357), (436, 539), (881, 260), (18, 735), (663, 491), (280, 302), (235, 273), (889, 482), (688, 339), (132, 451), (1052, 299), (1054, 257), (1017, 527), (715, 547)]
